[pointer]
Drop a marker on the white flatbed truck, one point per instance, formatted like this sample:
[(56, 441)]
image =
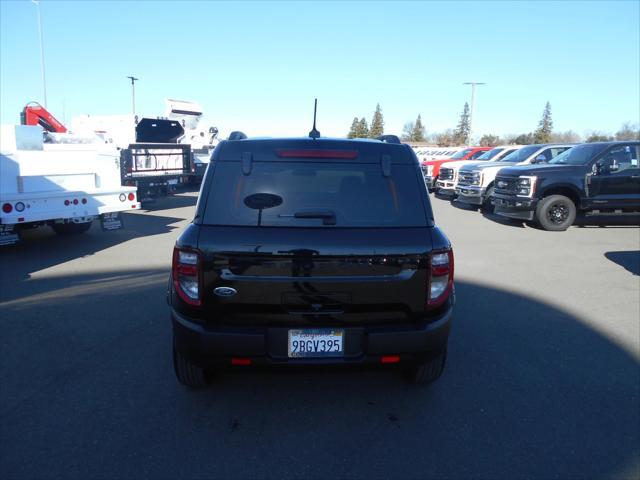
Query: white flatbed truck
[(66, 184)]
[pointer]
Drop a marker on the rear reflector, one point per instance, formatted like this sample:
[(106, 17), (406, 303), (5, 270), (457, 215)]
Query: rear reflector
[(390, 359), (240, 361), (346, 154)]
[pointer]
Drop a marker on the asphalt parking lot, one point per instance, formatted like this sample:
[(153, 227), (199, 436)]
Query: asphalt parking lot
[(542, 381)]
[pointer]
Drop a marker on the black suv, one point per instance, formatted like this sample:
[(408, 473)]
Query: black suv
[(311, 252), (595, 178)]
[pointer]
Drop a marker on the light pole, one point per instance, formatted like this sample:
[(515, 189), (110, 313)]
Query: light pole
[(44, 83), (133, 93), (473, 103)]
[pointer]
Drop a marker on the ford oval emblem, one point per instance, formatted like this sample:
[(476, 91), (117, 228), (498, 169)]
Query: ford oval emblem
[(225, 291)]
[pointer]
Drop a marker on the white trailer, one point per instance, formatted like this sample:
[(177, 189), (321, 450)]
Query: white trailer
[(66, 184)]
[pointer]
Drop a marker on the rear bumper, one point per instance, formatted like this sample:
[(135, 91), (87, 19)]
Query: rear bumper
[(514, 207), (267, 346)]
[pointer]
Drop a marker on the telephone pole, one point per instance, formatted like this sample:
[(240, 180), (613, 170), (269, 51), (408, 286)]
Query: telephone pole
[(44, 83), (133, 93), (473, 104)]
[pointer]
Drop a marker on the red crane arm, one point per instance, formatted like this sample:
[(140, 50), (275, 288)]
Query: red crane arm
[(36, 114)]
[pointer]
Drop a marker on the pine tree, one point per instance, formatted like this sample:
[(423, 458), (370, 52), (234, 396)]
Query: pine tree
[(545, 127), (417, 135), (463, 130), (377, 123), (363, 128), (353, 132)]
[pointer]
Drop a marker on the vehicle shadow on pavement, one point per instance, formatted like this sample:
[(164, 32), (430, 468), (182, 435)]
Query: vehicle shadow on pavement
[(512, 222), (41, 248), (613, 221), (629, 260), (89, 391), (183, 198)]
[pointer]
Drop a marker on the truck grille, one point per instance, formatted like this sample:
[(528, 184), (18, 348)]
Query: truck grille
[(446, 174), (506, 185), (465, 178)]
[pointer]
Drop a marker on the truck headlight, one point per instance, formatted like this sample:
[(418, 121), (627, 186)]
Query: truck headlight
[(526, 186), (476, 178), (429, 170)]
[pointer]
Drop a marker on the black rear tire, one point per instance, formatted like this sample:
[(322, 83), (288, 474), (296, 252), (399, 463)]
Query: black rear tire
[(428, 371), (556, 213), (189, 374), (71, 228)]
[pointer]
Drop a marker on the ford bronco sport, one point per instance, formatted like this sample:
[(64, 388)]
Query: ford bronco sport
[(308, 252)]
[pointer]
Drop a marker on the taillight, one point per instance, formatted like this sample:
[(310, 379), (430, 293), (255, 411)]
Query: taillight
[(440, 277), (132, 197), (7, 208), (186, 269)]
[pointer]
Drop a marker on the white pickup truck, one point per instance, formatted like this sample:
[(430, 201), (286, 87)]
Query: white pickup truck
[(475, 180), (65, 184)]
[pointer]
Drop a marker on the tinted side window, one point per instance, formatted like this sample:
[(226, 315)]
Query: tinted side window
[(477, 154), (619, 158), (356, 194), (551, 153)]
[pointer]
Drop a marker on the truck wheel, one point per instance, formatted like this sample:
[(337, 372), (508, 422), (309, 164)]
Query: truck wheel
[(428, 371), (71, 228), (487, 206), (187, 373), (556, 213)]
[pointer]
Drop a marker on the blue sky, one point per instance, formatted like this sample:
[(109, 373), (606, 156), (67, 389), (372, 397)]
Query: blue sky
[(256, 66)]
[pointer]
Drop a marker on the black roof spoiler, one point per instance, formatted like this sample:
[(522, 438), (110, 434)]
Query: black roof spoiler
[(388, 138), (237, 135)]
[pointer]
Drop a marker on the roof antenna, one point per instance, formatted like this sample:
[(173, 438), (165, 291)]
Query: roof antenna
[(314, 133)]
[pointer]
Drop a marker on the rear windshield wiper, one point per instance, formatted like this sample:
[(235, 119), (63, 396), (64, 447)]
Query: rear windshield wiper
[(328, 216)]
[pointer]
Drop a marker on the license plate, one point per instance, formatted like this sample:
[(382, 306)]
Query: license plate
[(111, 221), (316, 343), (8, 236)]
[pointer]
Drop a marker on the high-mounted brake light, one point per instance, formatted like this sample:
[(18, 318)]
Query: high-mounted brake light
[(187, 275), (440, 277), (345, 154)]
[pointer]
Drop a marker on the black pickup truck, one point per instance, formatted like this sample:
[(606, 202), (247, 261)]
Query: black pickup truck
[(311, 252), (594, 178)]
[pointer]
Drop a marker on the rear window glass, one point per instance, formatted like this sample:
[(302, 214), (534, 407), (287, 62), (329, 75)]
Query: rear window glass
[(315, 194)]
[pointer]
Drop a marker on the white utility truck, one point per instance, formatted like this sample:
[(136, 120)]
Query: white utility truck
[(58, 179)]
